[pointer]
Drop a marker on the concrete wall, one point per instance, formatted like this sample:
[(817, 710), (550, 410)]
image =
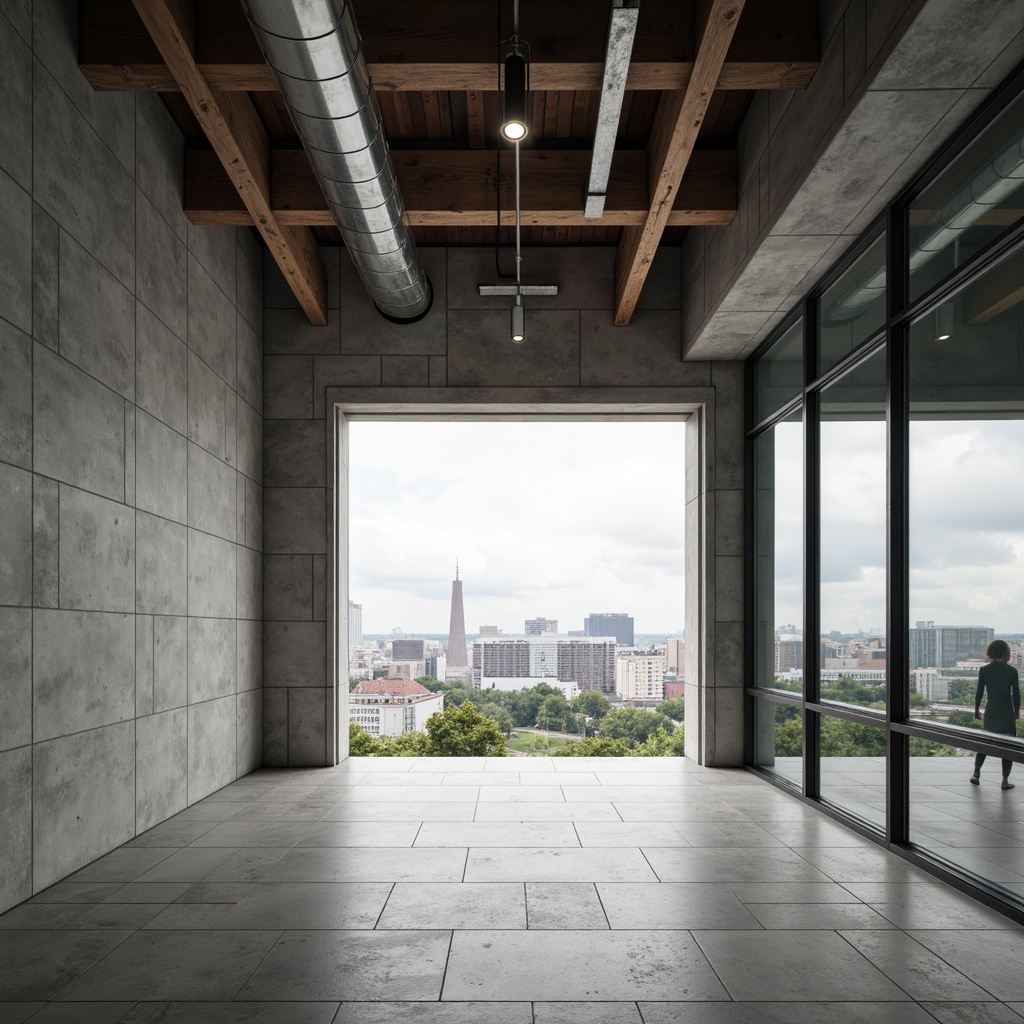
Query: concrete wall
[(460, 358), (130, 500), (816, 167)]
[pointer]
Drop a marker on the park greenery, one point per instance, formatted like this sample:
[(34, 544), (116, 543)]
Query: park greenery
[(478, 723)]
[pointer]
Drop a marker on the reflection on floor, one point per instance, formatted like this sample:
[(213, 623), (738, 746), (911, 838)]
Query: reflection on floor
[(526, 891)]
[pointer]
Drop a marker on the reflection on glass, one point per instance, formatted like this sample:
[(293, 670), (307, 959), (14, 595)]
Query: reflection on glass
[(853, 767), (779, 373), (779, 739), (853, 308), (966, 380), (979, 828), (972, 202), (853, 545), (778, 469)]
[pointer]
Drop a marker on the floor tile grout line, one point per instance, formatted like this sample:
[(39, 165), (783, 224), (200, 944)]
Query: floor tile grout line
[(387, 899), (447, 960), (879, 969), (607, 919), (696, 942)]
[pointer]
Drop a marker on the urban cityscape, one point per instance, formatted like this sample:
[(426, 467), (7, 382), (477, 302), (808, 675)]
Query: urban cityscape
[(543, 687)]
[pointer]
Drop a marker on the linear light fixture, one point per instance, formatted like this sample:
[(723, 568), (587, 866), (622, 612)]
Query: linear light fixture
[(523, 289), (621, 31)]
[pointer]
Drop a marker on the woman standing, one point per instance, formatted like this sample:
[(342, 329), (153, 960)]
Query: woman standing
[(1003, 707)]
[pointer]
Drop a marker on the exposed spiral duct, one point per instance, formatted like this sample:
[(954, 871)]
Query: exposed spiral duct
[(315, 52)]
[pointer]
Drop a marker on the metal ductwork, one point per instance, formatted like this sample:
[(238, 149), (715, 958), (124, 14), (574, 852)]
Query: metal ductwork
[(314, 49)]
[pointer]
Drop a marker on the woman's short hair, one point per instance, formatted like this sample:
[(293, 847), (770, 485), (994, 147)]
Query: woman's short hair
[(998, 650)]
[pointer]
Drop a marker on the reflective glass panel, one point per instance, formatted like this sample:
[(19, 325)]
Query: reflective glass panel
[(853, 543), (779, 515), (853, 767), (977, 827), (966, 495), (853, 309), (972, 202), (779, 739), (779, 373)]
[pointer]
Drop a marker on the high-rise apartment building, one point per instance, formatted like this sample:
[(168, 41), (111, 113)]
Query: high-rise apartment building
[(590, 662), (538, 627), (489, 631), (675, 658), (616, 624), (931, 646), (355, 624), (789, 652), (640, 676)]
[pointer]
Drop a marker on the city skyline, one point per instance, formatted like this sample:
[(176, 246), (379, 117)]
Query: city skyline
[(545, 519)]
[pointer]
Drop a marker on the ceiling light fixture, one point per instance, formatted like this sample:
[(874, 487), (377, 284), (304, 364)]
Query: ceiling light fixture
[(944, 322), (514, 129)]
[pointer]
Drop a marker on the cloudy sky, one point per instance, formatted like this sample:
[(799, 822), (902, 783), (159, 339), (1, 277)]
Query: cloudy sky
[(546, 519), (966, 526)]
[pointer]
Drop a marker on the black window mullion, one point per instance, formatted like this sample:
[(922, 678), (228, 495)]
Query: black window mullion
[(811, 645), (897, 575)]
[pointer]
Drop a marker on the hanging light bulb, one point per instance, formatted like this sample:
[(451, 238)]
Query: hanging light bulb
[(513, 122), (518, 322)]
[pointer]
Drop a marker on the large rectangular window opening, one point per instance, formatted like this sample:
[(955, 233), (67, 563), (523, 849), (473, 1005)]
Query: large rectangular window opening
[(514, 586)]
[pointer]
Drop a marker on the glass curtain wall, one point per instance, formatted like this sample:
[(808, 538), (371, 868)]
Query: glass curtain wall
[(886, 444)]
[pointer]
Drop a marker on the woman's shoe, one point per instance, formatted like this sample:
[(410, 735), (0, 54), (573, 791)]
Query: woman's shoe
[(1007, 784), (975, 779)]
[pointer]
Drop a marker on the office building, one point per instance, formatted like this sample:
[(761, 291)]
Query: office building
[(490, 631), (408, 648), (616, 624), (817, 266), (932, 646), (589, 662), (538, 627), (389, 707), (675, 658), (789, 652)]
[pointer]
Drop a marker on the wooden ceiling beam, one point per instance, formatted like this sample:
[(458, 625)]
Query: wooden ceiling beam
[(456, 188), (450, 45), (241, 145), (671, 147)]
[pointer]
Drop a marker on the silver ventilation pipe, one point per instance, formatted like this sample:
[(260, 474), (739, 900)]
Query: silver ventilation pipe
[(314, 49), (990, 186)]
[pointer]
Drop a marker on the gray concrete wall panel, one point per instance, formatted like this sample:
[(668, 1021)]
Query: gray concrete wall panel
[(111, 364)]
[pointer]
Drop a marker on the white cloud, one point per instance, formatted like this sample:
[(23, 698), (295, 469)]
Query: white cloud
[(553, 519)]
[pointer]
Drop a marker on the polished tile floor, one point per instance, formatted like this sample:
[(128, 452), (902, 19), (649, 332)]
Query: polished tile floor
[(527, 891)]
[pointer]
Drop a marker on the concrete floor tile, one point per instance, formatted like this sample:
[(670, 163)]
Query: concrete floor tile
[(731, 865), (868, 864), (990, 959), (122, 865), (77, 892), (441, 811), (975, 1013), (557, 864), (309, 905), (523, 794), (248, 865), (370, 864), (653, 810), (16, 1013), (455, 905), (172, 965), (674, 905), (363, 833), (497, 833), (215, 892), (434, 1013), (783, 1013), (416, 794), (424, 778), (148, 892), (631, 833), (592, 965), (792, 892), (794, 965), (82, 1013), (232, 1013), (817, 915), (547, 811), (564, 906), (407, 965), (117, 915), (189, 916), (920, 973), (188, 865), (42, 915), (39, 964), (174, 833), (586, 1013)]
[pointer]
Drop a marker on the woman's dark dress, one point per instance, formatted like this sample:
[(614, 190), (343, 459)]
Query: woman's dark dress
[(1003, 705)]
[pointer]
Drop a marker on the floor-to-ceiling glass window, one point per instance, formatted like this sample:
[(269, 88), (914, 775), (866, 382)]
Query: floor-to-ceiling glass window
[(887, 521)]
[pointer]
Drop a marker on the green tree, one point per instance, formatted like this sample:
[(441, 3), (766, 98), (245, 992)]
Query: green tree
[(672, 708), (554, 710), (592, 704), (789, 736), (965, 719), (408, 744), (633, 725), (842, 738), (660, 744), (962, 691), (595, 747), (464, 732), (360, 742)]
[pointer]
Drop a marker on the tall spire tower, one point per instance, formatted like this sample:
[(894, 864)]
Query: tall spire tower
[(458, 663)]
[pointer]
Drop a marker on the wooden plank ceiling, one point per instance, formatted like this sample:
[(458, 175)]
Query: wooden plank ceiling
[(694, 69)]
